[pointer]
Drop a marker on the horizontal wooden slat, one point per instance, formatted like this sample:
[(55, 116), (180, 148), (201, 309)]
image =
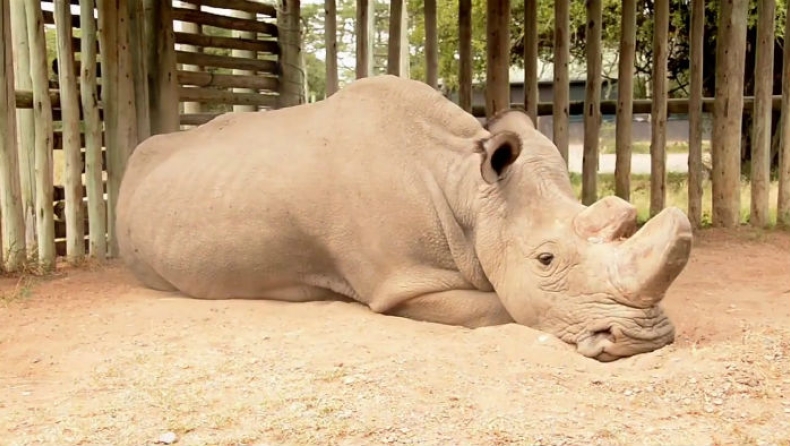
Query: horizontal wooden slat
[(239, 5), (59, 193), (203, 79), (207, 18), (186, 94), (197, 118), (49, 18), (238, 63), (262, 46)]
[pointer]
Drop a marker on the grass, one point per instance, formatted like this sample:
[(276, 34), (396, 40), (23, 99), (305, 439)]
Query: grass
[(677, 194), (607, 146)]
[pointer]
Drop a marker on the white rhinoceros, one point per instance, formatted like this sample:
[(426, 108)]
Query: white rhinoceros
[(389, 194)]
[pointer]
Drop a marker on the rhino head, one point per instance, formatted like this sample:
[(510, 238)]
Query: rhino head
[(583, 274)]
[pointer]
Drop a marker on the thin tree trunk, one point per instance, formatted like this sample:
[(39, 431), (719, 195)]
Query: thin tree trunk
[(431, 43), (531, 59), (658, 121), (395, 31), (761, 131), (192, 28), (592, 102), (625, 100), (139, 69), (465, 54), (246, 54), (330, 29), (161, 59), (364, 46), (498, 50), (697, 49), (561, 90), (783, 205)]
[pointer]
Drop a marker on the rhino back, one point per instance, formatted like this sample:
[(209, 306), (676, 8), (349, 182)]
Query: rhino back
[(329, 194)]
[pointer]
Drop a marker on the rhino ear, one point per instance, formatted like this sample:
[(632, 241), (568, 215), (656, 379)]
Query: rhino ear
[(499, 151)]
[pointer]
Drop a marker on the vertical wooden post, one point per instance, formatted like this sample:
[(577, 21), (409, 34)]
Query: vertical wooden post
[(561, 89), (432, 43), (697, 49), (139, 63), (109, 55), (728, 112), (498, 51), (94, 182), (246, 55), (161, 59), (42, 115), (465, 54), (70, 109), (405, 54), (330, 30), (625, 100), (592, 102), (13, 223), (190, 107), (783, 204), (395, 31), (531, 59), (25, 125), (292, 80), (761, 130), (658, 118), (363, 41)]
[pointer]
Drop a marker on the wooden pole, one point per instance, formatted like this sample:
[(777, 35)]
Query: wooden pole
[(25, 125), (75, 221), (97, 214), (363, 41), (110, 92), (783, 204), (330, 30), (465, 53), (697, 49), (292, 80), (728, 112), (531, 59), (13, 223), (394, 44), (592, 102), (42, 115), (405, 54), (432, 43), (658, 118), (247, 54), (561, 89), (761, 130), (498, 51), (139, 68), (191, 28), (161, 58), (625, 100)]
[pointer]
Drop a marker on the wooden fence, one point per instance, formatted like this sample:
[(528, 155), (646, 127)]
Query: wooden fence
[(71, 113)]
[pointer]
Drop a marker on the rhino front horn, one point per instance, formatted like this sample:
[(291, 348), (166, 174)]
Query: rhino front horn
[(646, 264)]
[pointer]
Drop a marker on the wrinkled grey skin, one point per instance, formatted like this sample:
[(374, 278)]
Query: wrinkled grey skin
[(390, 195)]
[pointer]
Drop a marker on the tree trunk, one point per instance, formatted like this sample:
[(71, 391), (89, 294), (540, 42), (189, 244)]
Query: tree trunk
[(592, 102), (561, 89), (658, 121), (625, 100)]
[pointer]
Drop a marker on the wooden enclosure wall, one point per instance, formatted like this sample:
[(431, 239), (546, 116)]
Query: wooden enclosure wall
[(73, 135)]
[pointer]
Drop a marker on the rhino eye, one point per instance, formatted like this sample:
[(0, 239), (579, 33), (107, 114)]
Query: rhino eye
[(545, 258)]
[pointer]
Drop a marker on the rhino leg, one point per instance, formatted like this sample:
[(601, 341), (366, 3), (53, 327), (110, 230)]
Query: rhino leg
[(466, 308), (151, 278)]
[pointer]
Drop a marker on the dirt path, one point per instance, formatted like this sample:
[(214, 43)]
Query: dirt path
[(91, 358)]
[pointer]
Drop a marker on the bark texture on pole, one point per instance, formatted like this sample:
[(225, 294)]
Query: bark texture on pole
[(94, 181), (25, 125), (192, 28), (42, 115), (592, 102), (394, 43), (139, 69), (658, 117), (70, 112), (783, 204), (728, 112), (625, 100), (330, 30), (561, 89), (697, 49), (432, 43), (465, 54), (292, 79), (13, 224), (761, 126), (245, 54), (161, 58), (364, 42), (498, 50), (531, 59)]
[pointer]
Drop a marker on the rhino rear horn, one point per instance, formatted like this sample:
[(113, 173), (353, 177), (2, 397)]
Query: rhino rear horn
[(609, 218), (500, 151)]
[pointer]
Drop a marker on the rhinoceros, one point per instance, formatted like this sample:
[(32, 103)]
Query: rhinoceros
[(389, 194)]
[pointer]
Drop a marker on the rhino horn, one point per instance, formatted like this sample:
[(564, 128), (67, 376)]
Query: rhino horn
[(607, 219), (646, 264)]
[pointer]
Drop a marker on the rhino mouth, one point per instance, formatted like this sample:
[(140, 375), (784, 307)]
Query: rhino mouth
[(614, 341)]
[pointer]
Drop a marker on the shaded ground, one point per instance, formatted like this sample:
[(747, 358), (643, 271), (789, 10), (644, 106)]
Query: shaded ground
[(90, 358)]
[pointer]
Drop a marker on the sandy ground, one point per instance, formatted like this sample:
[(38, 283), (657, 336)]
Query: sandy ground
[(640, 162), (88, 357)]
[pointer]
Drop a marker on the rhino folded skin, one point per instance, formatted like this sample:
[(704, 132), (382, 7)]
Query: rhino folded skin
[(389, 194)]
